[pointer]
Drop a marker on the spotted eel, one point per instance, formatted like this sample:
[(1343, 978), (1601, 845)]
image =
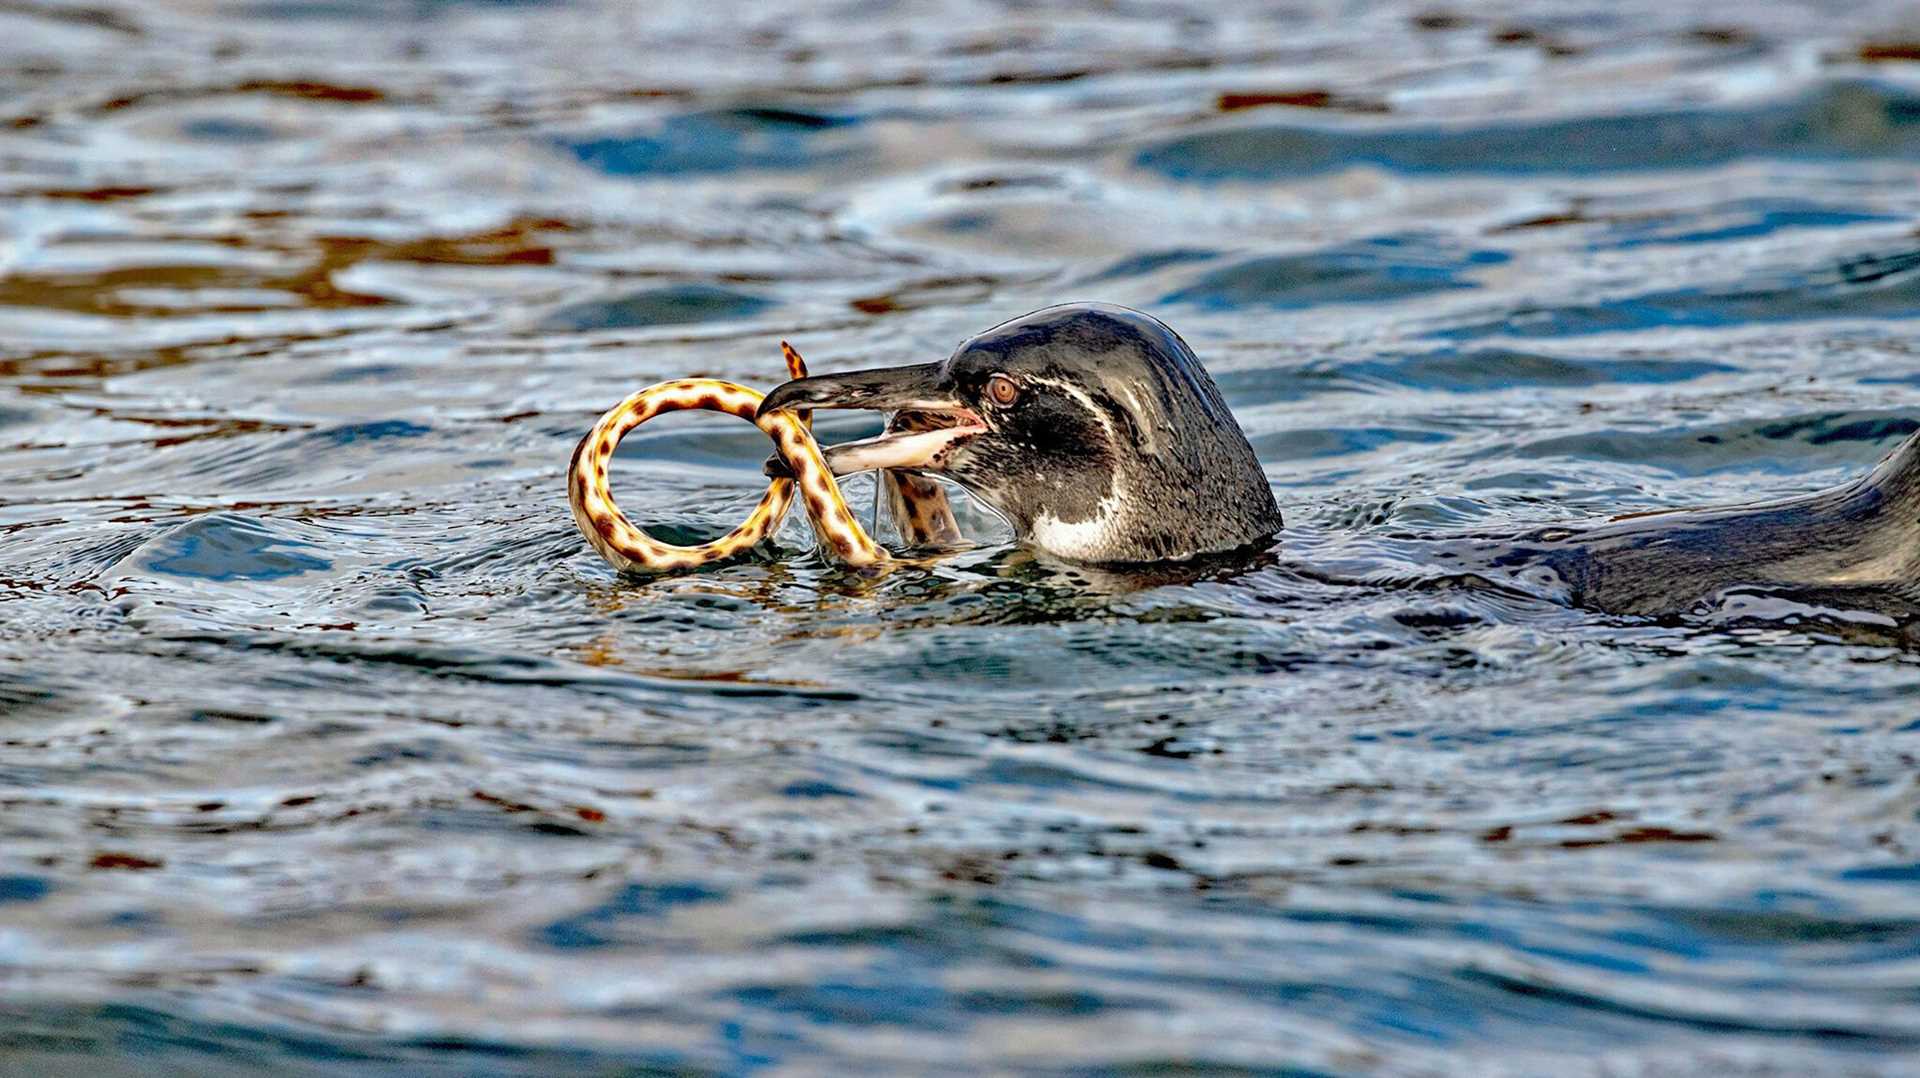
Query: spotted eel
[(918, 505)]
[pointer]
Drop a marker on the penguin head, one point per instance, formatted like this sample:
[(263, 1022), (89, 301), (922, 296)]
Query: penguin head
[(1091, 428)]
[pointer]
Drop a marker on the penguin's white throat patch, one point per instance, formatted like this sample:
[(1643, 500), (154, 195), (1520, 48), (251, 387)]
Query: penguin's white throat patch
[(1092, 538)]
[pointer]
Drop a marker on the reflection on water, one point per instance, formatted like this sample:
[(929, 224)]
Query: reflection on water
[(1838, 120), (326, 744)]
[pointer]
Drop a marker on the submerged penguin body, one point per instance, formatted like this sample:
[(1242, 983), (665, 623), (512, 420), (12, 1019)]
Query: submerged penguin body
[(1855, 545), (1098, 435)]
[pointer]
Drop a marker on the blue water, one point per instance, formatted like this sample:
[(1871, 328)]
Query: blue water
[(326, 745)]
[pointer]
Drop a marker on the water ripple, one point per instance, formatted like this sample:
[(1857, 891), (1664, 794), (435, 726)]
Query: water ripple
[(327, 746)]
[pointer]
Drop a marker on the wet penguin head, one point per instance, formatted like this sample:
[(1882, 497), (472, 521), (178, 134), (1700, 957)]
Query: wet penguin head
[(1091, 428)]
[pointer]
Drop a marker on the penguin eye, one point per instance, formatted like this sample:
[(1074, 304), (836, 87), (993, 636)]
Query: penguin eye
[(1002, 390)]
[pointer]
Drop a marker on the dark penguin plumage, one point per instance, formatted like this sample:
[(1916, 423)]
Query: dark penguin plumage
[(1096, 432), (1855, 546), (1112, 444)]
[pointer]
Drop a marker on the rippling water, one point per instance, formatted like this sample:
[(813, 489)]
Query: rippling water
[(325, 743)]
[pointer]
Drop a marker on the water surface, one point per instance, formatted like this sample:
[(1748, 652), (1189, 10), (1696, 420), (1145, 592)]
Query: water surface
[(326, 744)]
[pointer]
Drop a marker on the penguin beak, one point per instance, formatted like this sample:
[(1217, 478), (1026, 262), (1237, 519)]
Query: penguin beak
[(920, 387), (940, 422)]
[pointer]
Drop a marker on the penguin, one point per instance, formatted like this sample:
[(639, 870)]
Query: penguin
[(1099, 436), (1092, 429)]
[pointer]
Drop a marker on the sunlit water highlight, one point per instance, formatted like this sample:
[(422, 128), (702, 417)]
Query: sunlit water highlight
[(325, 743)]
